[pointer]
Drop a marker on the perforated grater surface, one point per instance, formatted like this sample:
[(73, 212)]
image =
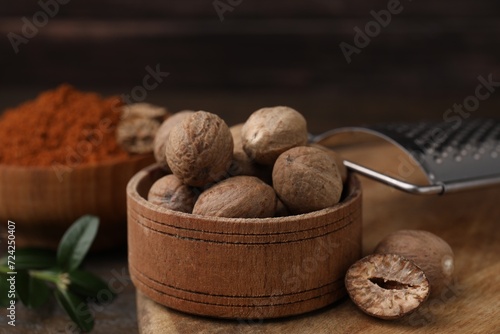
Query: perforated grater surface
[(455, 156)]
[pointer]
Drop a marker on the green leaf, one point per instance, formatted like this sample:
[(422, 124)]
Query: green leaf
[(32, 258), (32, 291), (87, 284), (39, 293), (76, 242), (76, 308), (23, 286), (50, 275), (4, 291)]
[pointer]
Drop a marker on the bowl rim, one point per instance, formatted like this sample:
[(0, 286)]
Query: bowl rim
[(354, 195)]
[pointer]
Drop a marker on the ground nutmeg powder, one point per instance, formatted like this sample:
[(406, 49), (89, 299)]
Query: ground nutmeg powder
[(62, 126)]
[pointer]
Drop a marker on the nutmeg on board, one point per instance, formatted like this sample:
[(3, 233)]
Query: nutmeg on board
[(407, 268)]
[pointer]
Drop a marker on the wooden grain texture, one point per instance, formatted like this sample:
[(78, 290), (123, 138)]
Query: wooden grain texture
[(430, 48), (44, 201), (467, 221), (241, 268)]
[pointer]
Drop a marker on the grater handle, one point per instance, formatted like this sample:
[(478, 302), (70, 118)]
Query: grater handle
[(395, 183), (435, 189)]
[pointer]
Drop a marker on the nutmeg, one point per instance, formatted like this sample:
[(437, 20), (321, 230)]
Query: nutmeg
[(236, 133), (162, 134), (199, 149), (136, 135), (268, 132), (338, 160), (242, 164), (307, 179), (144, 110), (281, 209), (431, 253), (139, 123), (237, 197), (169, 192)]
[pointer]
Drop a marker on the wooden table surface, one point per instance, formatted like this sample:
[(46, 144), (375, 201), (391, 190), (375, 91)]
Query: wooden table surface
[(467, 221)]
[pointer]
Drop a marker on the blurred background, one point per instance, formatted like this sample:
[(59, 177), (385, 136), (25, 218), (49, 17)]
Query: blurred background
[(232, 57)]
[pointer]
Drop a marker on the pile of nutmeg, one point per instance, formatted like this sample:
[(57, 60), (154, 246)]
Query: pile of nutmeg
[(262, 168), (266, 168)]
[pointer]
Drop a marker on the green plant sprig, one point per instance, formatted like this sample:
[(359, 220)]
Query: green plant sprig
[(41, 272)]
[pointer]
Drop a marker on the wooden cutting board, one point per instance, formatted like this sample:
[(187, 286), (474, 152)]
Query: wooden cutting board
[(469, 222)]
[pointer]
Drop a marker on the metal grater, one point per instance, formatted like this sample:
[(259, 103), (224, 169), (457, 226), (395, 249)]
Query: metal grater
[(455, 156)]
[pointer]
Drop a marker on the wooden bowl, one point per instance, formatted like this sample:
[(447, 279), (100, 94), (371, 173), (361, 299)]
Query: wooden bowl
[(241, 268), (44, 202)]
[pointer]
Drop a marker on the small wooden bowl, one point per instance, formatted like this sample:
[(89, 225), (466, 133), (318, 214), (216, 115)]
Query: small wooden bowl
[(241, 268), (44, 202)]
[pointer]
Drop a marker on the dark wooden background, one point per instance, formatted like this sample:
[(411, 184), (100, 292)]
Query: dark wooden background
[(263, 53)]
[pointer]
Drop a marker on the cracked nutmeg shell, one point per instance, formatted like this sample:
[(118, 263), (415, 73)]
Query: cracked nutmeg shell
[(431, 253), (199, 150), (386, 286)]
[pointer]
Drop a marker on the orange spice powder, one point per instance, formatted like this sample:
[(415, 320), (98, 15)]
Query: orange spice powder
[(62, 126)]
